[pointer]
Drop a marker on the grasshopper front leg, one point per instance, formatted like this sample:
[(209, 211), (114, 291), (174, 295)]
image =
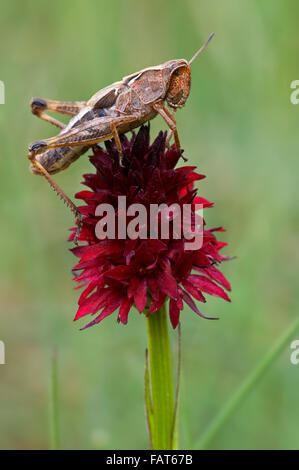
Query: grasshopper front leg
[(168, 138), (170, 121), (118, 143)]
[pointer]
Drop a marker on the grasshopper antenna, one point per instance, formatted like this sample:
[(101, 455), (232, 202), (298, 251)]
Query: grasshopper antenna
[(201, 49)]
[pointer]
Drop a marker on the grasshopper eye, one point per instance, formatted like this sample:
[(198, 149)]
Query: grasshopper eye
[(179, 87)]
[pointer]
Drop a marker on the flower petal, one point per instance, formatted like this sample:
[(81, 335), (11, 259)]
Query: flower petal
[(174, 313), (103, 248), (167, 284), (207, 286), (138, 289), (189, 301), (124, 310)]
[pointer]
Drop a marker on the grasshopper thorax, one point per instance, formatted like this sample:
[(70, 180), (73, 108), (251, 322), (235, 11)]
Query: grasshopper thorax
[(179, 84)]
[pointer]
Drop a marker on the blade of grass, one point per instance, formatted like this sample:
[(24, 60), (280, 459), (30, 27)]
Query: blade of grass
[(54, 408), (174, 429), (240, 395), (148, 401)]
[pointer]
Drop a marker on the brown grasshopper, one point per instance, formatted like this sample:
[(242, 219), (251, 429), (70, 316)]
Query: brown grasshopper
[(112, 111)]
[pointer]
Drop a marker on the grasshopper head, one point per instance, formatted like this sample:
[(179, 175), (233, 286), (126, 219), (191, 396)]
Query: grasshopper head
[(179, 84), (180, 79)]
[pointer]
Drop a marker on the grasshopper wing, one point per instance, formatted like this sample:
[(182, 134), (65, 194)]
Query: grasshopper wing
[(106, 97)]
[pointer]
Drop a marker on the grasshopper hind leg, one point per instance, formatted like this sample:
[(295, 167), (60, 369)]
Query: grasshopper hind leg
[(61, 194)]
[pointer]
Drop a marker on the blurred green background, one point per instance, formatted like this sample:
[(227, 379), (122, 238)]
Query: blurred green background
[(241, 130)]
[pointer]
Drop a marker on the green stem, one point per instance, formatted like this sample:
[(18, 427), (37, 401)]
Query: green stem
[(162, 415), (246, 388), (55, 444)]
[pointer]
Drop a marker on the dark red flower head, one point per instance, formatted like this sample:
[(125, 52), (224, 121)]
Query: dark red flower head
[(119, 273)]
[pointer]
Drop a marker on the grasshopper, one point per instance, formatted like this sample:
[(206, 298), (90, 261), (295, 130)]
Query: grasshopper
[(112, 111)]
